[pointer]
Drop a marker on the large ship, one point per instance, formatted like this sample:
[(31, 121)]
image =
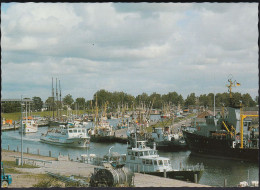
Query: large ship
[(228, 135)]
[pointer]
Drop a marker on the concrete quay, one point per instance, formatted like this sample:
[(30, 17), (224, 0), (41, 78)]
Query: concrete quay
[(69, 168)]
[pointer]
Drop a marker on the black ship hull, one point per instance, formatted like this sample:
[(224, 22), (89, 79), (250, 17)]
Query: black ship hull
[(172, 146), (107, 139), (218, 148), (183, 175)]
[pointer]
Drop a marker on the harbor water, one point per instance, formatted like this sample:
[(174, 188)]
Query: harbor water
[(215, 173)]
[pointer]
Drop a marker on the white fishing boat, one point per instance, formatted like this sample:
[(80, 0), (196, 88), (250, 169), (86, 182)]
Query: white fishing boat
[(143, 159), (29, 126), (67, 136)]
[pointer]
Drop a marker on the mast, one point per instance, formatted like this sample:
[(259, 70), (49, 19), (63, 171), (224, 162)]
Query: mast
[(60, 98), (214, 103), (52, 100), (96, 114), (232, 84), (57, 99)]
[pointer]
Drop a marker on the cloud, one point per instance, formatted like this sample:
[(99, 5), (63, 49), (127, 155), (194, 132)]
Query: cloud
[(144, 47)]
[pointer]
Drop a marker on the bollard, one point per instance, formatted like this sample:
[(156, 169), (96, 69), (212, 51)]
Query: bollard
[(68, 156), (49, 153), (27, 150), (17, 149), (8, 147), (225, 182), (38, 151), (195, 178), (164, 173)]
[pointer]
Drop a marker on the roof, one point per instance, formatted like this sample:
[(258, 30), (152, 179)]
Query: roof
[(205, 113)]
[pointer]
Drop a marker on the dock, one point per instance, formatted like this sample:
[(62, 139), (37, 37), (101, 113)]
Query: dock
[(76, 168), (9, 127)]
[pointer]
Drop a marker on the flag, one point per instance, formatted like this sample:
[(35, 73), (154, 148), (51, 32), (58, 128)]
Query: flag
[(238, 84)]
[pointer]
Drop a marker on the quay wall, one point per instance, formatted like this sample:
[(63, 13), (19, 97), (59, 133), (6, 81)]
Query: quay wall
[(85, 170)]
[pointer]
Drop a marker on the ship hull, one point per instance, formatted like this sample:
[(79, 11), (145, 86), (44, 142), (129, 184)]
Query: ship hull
[(102, 139), (74, 142), (218, 148), (180, 175), (169, 146)]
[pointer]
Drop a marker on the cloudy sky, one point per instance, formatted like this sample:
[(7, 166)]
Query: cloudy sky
[(134, 48)]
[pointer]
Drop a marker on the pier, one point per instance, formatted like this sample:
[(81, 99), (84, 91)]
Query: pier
[(68, 168)]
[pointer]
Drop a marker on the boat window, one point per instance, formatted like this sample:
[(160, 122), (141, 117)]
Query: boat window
[(83, 131), (79, 130), (143, 161), (145, 153), (74, 130), (136, 153), (160, 162), (166, 162), (129, 153), (149, 162), (155, 162), (70, 131)]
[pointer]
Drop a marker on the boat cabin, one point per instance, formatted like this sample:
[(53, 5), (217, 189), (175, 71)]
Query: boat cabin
[(145, 159)]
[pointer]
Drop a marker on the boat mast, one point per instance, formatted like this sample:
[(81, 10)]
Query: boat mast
[(214, 104), (60, 98), (57, 99), (52, 99), (96, 114)]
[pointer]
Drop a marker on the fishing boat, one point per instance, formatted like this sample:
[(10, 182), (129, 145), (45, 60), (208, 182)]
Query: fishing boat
[(165, 140), (29, 126), (103, 132), (143, 159), (228, 135), (67, 136)]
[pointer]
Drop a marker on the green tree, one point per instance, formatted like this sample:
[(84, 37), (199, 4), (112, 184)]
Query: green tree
[(190, 100), (81, 102), (10, 107), (37, 103), (247, 100), (257, 100), (50, 103), (68, 100)]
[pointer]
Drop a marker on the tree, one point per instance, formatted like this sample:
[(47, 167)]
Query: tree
[(248, 101), (81, 103), (10, 107), (257, 100), (68, 100), (50, 103), (190, 100), (37, 103)]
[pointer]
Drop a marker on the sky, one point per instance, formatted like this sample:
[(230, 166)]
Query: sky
[(129, 47)]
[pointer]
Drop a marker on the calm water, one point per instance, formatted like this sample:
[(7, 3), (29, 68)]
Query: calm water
[(216, 170)]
